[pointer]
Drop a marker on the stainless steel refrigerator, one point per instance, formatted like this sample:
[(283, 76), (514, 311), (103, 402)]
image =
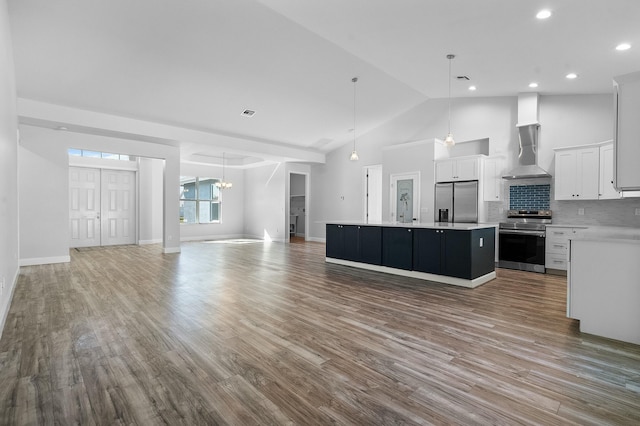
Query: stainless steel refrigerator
[(456, 202)]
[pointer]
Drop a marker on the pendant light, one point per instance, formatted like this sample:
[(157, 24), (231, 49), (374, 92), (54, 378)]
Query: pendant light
[(448, 141), (354, 153), (222, 184)]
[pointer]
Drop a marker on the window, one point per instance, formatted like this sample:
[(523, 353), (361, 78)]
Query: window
[(199, 200), (73, 152)]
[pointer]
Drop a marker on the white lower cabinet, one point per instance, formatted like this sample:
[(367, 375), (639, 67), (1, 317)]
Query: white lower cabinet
[(557, 246)]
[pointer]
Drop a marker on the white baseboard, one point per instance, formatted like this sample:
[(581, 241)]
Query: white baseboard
[(471, 283), (5, 309), (317, 239), (170, 250), (44, 260), (212, 237), (145, 242)]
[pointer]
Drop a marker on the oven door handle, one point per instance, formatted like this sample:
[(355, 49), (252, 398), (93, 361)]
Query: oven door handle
[(522, 232)]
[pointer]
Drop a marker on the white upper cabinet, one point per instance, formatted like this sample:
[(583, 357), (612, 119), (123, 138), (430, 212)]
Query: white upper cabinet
[(492, 179), (607, 190), (457, 169), (627, 132), (577, 173)]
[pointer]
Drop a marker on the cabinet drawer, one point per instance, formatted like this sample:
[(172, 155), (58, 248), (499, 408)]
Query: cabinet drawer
[(559, 233), (556, 261), (558, 247)]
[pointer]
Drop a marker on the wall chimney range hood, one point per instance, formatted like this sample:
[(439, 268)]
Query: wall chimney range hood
[(528, 139)]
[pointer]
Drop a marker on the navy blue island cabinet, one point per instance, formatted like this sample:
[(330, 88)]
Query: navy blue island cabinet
[(355, 243), (459, 254)]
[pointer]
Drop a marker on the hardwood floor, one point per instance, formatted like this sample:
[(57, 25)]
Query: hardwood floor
[(259, 333)]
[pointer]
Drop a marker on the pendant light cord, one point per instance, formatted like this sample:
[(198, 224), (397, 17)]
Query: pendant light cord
[(354, 80), (450, 57)]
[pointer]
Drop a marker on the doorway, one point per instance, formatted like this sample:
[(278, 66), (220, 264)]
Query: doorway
[(372, 178), (405, 197), (298, 204), (102, 207)]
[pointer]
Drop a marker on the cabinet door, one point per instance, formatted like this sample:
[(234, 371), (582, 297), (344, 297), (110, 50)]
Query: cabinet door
[(335, 241), (456, 254), (397, 248), (607, 191), (566, 174), (627, 131), (467, 169), (491, 180), (370, 240), (445, 170), (588, 161), (351, 243), (427, 250)]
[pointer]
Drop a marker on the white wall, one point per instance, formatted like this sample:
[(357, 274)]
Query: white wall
[(407, 158), (43, 166), (8, 169), (150, 200), (232, 208), (265, 202), (44, 199)]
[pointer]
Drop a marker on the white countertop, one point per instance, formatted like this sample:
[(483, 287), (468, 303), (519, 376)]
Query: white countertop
[(608, 233), (424, 225)]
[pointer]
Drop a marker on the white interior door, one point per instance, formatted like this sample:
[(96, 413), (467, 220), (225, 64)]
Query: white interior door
[(118, 207), (102, 208), (405, 197), (84, 207), (373, 194)]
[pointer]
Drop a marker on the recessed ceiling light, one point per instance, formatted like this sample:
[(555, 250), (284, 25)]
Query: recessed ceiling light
[(572, 75), (623, 46), (543, 14), (533, 85), (63, 128), (472, 88)]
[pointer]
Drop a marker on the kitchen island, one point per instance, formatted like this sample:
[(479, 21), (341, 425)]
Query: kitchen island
[(603, 283), (461, 254)]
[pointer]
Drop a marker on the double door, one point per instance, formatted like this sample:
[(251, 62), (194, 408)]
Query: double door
[(102, 207)]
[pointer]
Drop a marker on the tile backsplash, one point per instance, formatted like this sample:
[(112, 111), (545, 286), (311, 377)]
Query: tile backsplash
[(594, 212), (529, 196)]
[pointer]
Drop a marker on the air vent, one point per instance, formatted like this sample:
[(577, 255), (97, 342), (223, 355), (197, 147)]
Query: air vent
[(248, 113), (463, 77)]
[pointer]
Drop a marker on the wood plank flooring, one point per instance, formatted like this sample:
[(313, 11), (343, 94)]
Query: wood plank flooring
[(270, 334)]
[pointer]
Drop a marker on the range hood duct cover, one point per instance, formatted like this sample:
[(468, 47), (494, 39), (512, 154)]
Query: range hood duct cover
[(528, 158)]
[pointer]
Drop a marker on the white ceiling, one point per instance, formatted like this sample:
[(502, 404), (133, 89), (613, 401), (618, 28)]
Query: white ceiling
[(198, 64)]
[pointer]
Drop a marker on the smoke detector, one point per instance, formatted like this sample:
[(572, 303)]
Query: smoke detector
[(248, 113)]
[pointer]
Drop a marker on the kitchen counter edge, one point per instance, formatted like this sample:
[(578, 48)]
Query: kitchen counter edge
[(427, 225)]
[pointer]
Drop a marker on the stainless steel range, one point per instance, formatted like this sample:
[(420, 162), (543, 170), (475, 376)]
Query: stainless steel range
[(522, 240)]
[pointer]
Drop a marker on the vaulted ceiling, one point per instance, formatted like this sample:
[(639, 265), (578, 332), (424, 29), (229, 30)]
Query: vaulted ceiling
[(197, 64)]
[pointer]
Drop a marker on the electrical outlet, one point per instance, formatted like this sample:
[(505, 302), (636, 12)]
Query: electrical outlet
[(637, 211), (580, 212)]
